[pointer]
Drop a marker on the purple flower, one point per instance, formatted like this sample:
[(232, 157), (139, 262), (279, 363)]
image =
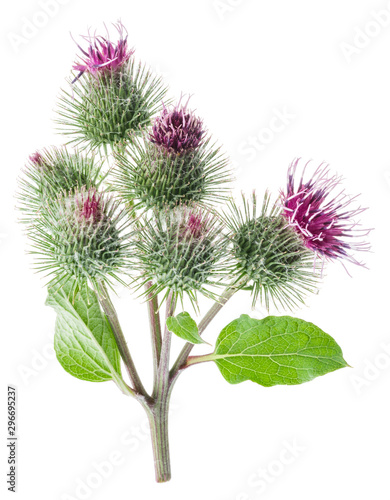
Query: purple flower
[(89, 206), (102, 54), (325, 222), (177, 130), (37, 159), (194, 224)]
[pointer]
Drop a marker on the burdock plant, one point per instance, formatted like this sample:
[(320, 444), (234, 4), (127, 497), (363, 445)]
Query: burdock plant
[(155, 215)]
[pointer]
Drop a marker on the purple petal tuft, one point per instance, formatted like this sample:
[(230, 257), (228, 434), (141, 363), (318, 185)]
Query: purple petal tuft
[(37, 159), (326, 224), (89, 206), (177, 130), (102, 54)]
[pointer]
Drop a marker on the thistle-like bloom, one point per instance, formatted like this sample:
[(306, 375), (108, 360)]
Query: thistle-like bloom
[(102, 54), (325, 222), (175, 163), (177, 130), (50, 172), (115, 100), (82, 235), (181, 250), (269, 257)]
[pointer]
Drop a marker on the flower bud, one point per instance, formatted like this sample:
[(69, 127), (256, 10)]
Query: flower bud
[(50, 172), (81, 235), (181, 250)]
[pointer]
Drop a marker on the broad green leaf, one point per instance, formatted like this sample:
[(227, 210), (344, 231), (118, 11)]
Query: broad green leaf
[(275, 350), (84, 342), (184, 327)]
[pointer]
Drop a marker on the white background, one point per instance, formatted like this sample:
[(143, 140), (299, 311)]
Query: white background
[(241, 60)]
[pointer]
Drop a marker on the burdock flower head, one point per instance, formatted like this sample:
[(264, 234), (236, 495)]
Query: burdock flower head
[(324, 221), (177, 130), (82, 235), (269, 257), (181, 250), (175, 163), (115, 98), (102, 54), (52, 171)]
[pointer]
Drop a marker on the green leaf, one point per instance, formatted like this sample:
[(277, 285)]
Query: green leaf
[(184, 327), (84, 342), (275, 350)]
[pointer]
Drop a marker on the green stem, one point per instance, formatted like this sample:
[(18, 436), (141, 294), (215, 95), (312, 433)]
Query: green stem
[(193, 360), (163, 369), (155, 330), (158, 412), (158, 421), (128, 391), (112, 317)]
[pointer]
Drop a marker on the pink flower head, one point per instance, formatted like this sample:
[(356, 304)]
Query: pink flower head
[(177, 130), (89, 207), (102, 54), (37, 159), (194, 224), (325, 223)]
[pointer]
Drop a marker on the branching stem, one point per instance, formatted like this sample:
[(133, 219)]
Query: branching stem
[(181, 361), (112, 317), (157, 406)]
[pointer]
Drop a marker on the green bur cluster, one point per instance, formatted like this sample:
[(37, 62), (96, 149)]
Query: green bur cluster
[(172, 173), (107, 108), (156, 218)]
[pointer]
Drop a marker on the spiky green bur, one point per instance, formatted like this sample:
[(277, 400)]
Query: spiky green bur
[(181, 250), (105, 108), (150, 177), (51, 172), (82, 235), (175, 163), (270, 254)]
